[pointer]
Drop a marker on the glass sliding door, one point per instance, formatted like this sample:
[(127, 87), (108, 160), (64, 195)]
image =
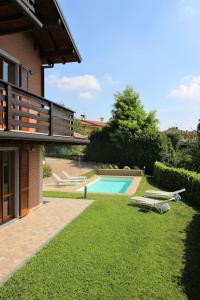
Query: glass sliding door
[(7, 189)]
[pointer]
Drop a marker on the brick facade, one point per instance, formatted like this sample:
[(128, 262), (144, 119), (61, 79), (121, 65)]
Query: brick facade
[(35, 176), (28, 56)]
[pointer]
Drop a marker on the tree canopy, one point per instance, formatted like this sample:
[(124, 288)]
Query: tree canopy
[(131, 137)]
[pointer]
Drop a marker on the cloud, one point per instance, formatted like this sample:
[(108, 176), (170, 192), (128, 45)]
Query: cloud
[(74, 83), (188, 90), (86, 95)]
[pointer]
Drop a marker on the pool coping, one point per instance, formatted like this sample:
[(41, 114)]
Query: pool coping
[(76, 188), (132, 188)]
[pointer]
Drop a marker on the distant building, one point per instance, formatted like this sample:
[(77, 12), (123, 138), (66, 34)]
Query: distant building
[(91, 125), (186, 135)]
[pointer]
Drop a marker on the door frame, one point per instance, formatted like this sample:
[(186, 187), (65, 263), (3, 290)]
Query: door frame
[(16, 176), (23, 211)]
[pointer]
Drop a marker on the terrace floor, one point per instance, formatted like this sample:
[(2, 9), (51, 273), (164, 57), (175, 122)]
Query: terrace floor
[(23, 238)]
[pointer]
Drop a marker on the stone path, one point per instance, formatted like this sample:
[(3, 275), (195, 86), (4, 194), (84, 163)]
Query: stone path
[(24, 237)]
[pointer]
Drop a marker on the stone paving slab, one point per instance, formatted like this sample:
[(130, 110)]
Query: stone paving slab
[(23, 238)]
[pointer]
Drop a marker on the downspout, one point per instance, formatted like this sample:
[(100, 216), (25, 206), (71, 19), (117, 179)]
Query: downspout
[(42, 78)]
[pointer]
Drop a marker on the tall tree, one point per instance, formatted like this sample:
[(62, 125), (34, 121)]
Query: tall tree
[(132, 133)]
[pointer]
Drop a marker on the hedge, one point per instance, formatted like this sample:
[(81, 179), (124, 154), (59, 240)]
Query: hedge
[(177, 178)]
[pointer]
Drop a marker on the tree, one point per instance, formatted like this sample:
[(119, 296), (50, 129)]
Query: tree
[(175, 138), (195, 150), (198, 128), (66, 150), (131, 138)]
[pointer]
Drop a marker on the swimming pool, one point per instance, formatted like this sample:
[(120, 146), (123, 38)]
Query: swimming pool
[(110, 185)]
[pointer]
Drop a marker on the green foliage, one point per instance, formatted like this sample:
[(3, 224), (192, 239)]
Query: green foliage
[(198, 128), (177, 178), (100, 148), (126, 168), (195, 153), (174, 137), (47, 171), (89, 174), (63, 151), (129, 118), (113, 251), (166, 150), (78, 128), (131, 137)]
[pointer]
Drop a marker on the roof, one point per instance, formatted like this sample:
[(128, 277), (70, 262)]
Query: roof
[(94, 123), (80, 136), (179, 131), (55, 40), (45, 22)]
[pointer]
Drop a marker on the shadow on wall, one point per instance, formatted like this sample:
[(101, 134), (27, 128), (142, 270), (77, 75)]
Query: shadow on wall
[(191, 272)]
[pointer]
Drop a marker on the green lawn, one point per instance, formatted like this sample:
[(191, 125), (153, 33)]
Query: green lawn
[(115, 251)]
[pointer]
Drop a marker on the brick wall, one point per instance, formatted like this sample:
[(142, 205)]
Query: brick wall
[(35, 177), (21, 46)]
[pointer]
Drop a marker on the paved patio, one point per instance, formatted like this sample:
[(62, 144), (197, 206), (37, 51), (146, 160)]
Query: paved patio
[(23, 238)]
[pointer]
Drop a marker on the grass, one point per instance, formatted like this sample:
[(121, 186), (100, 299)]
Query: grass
[(89, 174), (116, 252)]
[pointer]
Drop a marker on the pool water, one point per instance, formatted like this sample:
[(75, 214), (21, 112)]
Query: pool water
[(110, 185)]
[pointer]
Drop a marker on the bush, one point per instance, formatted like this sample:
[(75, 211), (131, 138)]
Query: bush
[(126, 168), (177, 178), (115, 166), (47, 171)]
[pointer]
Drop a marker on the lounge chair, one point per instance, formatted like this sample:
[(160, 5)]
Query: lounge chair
[(175, 195), (151, 204), (78, 178), (61, 181)]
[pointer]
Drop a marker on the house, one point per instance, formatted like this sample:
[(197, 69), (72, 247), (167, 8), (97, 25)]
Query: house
[(91, 125), (33, 36), (185, 135)]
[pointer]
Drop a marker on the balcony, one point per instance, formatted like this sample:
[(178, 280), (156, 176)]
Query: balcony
[(25, 116)]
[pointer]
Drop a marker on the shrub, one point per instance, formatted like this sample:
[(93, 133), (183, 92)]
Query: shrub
[(115, 166), (177, 178), (47, 171), (110, 166), (126, 168)]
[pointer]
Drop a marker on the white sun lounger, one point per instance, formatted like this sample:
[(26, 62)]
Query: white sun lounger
[(175, 195), (78, 178), (60, 181), (151, 204)]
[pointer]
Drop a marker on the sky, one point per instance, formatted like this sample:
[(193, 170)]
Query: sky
[(154, 46)]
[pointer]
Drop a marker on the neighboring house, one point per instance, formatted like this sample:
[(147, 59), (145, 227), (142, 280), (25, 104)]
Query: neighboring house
[(91, 125), (33, 36), (185, 135)]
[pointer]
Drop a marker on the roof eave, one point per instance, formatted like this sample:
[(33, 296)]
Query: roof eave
[(68, 30)]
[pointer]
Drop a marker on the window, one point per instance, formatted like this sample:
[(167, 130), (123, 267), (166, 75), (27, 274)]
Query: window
[(7, 70)]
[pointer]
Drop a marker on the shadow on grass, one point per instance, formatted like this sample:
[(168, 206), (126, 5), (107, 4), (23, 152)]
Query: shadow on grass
[(191, 272), (152, 182)]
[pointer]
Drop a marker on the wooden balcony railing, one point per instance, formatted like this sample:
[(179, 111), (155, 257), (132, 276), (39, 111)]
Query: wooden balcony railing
[(25, 112)]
